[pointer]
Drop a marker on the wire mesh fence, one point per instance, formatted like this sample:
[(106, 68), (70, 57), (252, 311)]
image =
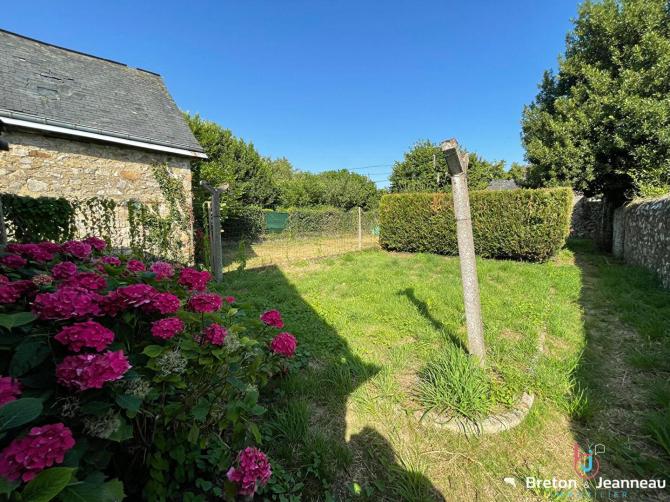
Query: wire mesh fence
[(265, 238)]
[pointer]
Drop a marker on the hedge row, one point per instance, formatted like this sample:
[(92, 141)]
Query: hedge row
[(518, 224)]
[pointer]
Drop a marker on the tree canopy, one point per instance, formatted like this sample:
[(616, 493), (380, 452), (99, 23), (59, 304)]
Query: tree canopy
[(418, 172), (255, 180), (601, 124)]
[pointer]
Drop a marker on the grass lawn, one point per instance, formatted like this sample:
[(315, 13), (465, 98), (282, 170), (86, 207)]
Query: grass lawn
[(369, 323)]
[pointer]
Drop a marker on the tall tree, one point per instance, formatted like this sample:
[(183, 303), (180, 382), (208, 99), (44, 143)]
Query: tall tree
[(602, 123), (235, 162), (424, 169)]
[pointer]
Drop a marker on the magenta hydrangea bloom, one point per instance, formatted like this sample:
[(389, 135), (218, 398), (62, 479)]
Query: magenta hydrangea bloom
[(136, 295), (252, 472), (67, 303), (167, 328), (88, 334), (111, 260), (163, 270), (88, 280), (230, 299), (78, 249), (96, 243), (42, 447), (9, 293), (284, 344), (10, 389), (215, 334), (64, 270), (91, 371), (165, 303), (193, 279), (204, 302), (135, 266), (272, 318), (52, 247), (31, 251), (13, 261)]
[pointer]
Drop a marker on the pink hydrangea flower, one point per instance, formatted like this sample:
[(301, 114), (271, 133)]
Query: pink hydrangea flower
[(193, 279), (42, 447), (9, 293), (88, 280), (136, 295), (165, 303), (10, 389), (52, 247), (230, 299), (111, 260), (64, 270), (215, 334), (31, 251), (91, 371), (163, 270), (272, 318), (284, 344), (4, 279), (88, 334), (66, 303), (167, 328), (13, 261), (135, 266), (96, 243), (204, 302), (252, 472), (78, 249)]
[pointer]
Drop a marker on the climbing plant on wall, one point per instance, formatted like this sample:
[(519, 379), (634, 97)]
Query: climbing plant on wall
[(36, 219), (160, 229)]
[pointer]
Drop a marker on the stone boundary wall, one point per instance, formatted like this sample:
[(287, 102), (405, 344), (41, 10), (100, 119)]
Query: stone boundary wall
[(586, 215), (37, 165), (642, 235)]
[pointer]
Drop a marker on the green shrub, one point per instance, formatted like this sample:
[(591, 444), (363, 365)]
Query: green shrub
[(245, 223), (42, 218), (518, 224)]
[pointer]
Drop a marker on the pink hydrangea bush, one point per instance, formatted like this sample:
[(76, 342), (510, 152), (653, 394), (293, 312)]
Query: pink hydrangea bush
[(10, 389), (41, 447), (253, 471), (122, 354)]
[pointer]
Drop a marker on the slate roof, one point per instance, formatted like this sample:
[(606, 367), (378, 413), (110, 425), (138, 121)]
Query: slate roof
[(502, 185), (44, 83)]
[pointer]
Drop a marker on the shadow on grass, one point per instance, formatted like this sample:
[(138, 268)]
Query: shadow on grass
[(624, 372), (422, 308), (309, 427)]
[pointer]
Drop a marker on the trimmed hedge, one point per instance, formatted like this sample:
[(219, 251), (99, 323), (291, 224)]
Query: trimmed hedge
[(518, 224)]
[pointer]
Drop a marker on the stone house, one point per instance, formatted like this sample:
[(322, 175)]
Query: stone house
[(80, 126)]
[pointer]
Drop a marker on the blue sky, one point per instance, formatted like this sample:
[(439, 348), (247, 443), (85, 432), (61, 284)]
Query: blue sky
[(329, 84)]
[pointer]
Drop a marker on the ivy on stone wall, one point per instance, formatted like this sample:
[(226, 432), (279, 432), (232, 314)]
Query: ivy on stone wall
[(159, 229), (37, 219)]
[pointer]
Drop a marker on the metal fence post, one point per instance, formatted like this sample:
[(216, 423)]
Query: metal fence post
[(360, 229), (457, 162), (215, 222)]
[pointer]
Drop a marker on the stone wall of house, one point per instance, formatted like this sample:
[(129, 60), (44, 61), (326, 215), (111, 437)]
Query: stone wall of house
[(38, 165), (643, 232), (586, 215)]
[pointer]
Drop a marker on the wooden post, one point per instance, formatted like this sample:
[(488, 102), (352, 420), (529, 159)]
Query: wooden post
[(215, 237), (360, 229), (3, 230)]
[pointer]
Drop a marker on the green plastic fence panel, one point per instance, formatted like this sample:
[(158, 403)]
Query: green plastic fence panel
[(276, 221)]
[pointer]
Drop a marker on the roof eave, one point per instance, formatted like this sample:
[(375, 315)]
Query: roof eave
[(101, 136)]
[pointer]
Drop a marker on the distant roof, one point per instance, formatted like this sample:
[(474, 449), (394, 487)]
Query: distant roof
[(45, 85), (502, 185)]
